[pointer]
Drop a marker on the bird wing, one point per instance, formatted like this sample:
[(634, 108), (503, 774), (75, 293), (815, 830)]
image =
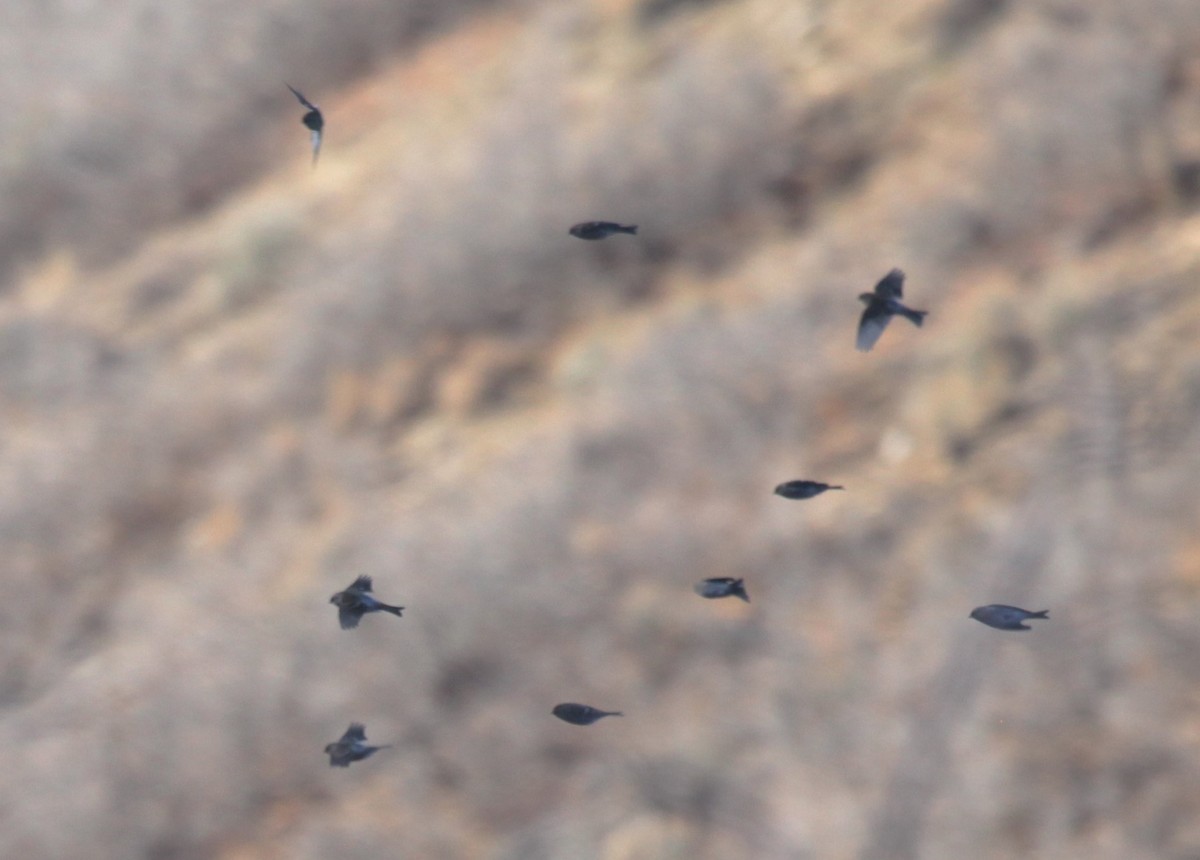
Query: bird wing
[(316, 145), (348, 618), (891, 286), (302, 99), (363, 583), (356, 732), (870, 327)]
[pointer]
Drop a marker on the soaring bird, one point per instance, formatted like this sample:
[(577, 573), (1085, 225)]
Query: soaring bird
[(313, 120), (356, 601), (352, 746), (882, 305)]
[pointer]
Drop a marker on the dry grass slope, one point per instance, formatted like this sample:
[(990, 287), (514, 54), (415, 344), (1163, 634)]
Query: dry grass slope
[(232, 383)]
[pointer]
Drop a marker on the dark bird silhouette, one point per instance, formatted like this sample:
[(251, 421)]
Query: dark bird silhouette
[(351, 747), (581, 715), (804, 489), (882, 305), (722, 586), (1006, 617), (356, 601), (601, 229), (313, 120)]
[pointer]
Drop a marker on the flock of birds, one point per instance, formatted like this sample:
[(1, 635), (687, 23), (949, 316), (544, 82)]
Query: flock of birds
[(881, 304)]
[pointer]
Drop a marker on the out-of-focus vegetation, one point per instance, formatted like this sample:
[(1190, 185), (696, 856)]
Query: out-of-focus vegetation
[(122, 117), (232, 383)]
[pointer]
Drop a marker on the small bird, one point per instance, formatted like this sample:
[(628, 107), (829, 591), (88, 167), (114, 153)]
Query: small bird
[(356, 601), (581, 715), (601, 229), (352, 746), (804, 489), (882, 305), (313, 120), (1006, 617), (722, 586)]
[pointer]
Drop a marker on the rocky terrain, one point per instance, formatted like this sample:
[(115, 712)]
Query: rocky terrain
[(231, 383)]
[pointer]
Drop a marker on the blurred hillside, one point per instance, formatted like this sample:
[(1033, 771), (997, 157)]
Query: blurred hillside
[(232, 383)]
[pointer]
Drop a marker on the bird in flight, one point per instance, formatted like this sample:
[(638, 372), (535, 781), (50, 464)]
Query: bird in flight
[(1006, 617), (357, 600), (351, 747), (581, 715), (601, 229), (313, 120), (881, 306), (804, 489), (722, 586)]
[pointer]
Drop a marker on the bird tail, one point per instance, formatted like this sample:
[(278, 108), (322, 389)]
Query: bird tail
[(1045, 613), (631, 229), (398, 611), (914, 317)]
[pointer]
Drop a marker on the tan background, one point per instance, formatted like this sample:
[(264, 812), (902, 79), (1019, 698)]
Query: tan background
[(230, 384)]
